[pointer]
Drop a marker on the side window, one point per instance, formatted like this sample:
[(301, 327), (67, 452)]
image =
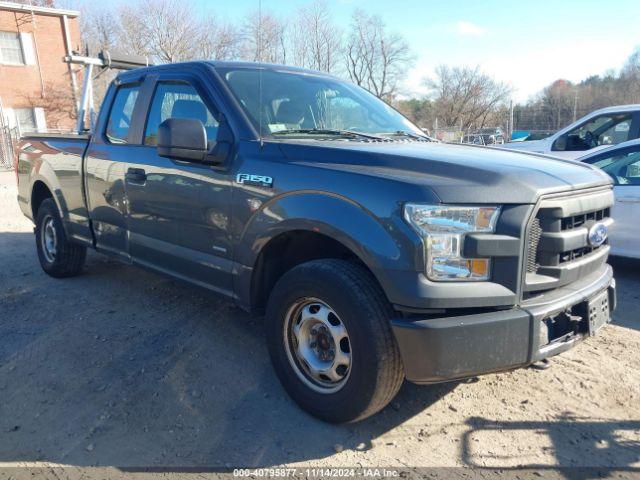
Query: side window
[(10, 48), (177, 100), (119, 120), (624, 169), (603, 130)]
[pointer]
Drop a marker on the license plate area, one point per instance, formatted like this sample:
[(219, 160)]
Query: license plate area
[(584, 318), (599, 311)]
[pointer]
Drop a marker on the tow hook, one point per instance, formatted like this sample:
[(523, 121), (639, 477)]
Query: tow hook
[(543, 364)]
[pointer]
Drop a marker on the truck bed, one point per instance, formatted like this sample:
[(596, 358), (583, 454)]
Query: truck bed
[(55, 160)]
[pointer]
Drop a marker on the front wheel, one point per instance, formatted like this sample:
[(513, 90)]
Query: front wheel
[(331, 342), (58, 256)]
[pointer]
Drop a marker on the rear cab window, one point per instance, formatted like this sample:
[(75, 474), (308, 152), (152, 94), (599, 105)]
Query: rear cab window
[(120, 115)]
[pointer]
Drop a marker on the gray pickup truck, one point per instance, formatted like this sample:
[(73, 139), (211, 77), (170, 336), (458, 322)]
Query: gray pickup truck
[(375, 253)]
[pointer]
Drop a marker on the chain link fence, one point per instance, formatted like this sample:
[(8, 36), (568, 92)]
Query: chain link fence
[(8, 139)]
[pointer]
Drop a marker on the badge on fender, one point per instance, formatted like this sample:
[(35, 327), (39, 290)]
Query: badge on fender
[(256, 180)]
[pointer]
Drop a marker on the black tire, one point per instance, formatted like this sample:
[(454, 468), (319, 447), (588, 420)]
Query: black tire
[(69, 257), (376, 371)]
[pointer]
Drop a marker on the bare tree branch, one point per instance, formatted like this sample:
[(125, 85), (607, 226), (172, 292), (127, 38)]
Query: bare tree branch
[(465, 96), (316, 42), (375, 59)]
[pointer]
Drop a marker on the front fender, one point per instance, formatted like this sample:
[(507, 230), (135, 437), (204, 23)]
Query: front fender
[(383, 244)]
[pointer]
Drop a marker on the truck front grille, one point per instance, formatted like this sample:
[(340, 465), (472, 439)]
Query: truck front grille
[(558, 250), (535, 232)]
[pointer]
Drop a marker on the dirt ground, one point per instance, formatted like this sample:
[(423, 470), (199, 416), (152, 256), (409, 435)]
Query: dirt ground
[(121, 367)]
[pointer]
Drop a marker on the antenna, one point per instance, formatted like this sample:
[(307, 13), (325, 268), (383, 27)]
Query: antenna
[(260, 73)]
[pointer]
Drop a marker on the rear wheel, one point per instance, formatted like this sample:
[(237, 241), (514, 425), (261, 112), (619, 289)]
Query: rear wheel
[(58, 256), (331, 342)]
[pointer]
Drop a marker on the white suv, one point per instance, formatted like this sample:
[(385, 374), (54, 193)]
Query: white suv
[(598, 130)]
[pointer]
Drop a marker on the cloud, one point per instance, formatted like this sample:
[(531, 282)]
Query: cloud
[(468, 29)]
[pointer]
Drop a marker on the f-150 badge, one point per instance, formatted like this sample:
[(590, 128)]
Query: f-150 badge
[(257, 180)]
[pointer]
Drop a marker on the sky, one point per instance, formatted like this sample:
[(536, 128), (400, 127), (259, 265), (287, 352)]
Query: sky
[(527, 44)]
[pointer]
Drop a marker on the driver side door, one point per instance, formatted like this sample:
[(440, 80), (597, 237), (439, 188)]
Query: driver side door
[(179, 210), (597, 133)]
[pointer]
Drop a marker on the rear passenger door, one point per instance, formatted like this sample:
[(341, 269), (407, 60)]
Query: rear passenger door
[(178, 210), (110, 149)]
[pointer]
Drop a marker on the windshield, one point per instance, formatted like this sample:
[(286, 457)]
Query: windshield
[(306, 104), (623, 165)]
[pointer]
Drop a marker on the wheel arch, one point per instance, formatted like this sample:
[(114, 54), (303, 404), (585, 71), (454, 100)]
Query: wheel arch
[(309, 226), (304, 246), (40, 191)]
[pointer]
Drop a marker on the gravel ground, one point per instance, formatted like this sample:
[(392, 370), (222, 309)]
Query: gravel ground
[(126, 368)]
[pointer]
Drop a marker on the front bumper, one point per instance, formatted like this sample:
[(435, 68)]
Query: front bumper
[(447, 348)]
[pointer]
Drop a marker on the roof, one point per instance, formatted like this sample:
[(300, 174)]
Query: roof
[(618, 108), (55, 12), (611, 148), (220, 64), (264, 66)]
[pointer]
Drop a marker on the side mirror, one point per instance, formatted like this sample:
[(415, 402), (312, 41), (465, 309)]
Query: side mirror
[(560, 144), (182, 139), (221, 148)]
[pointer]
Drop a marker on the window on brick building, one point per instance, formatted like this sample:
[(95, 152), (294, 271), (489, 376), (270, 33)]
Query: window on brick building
[(26, 119), (10, 48)]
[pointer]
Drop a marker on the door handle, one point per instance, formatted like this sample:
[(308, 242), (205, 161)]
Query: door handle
[(629, 200), (136, 175)]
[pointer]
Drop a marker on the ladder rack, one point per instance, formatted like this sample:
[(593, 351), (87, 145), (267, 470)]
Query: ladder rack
[(104, 61)]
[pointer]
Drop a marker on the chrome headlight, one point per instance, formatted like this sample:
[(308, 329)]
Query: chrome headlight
[(442, 228)]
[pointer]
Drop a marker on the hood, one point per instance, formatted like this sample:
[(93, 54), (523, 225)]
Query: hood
[(455, 173), (538, 146)]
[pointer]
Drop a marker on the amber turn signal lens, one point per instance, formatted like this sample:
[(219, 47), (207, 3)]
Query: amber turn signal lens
[(479, 266)]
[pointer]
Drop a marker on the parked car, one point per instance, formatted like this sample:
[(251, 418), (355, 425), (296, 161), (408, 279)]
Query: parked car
[(492, 135), (522, 136), (473, 139), (622, 163), (376, 254), (486, 136), (598, 130)]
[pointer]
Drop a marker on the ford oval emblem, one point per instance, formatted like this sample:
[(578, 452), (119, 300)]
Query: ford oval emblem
[(597, 234)]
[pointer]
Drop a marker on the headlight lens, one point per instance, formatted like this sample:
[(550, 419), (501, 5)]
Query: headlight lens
[(442, 228)]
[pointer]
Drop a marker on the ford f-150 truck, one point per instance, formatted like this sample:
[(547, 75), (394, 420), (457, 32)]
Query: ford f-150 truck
[(375, 254)]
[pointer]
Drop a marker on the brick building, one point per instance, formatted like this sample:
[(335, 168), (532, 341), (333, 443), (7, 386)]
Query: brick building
[(38, 91)]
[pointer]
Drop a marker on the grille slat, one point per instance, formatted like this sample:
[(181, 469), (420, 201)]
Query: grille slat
[(535, 259), (535, 232), (550, 232)]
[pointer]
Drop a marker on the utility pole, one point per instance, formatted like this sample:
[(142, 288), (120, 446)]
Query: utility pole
[(510, 118), (575, 105)]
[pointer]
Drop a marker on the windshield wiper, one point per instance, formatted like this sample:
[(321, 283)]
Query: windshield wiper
[(415, 136), (325, 131)]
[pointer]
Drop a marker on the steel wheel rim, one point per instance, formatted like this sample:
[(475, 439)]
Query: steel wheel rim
[(318, 345), (49, 239)]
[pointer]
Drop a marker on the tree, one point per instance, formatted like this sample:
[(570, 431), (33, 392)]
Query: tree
[(630, 77), (163, 30), (37, 3), (465, 96), (264, 38), (316, 41), (219, 41), (375, 59), (418, 110), (59, 107), (100, 29)]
